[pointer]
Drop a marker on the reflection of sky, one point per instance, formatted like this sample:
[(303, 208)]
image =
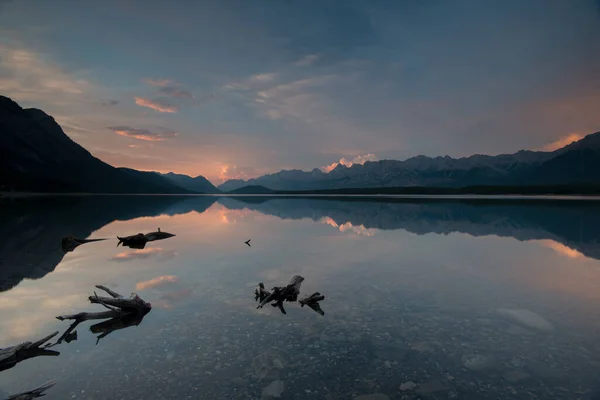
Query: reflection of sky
[(207, 269)]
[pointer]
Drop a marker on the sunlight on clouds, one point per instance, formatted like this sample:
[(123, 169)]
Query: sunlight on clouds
[(155, 105), (561, 249), (563, 141), (356, 160), (29, 75)]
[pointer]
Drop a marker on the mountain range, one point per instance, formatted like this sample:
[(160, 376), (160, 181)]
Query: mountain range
[(37, 156), (575, 164)]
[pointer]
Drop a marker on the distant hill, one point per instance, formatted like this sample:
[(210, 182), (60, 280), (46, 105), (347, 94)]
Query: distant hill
[(256, 189), (198, 184), (36, 155), (575, 164)]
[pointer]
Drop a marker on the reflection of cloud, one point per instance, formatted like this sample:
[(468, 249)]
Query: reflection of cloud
[(561, 249), (562, 142), (360, 230), (159, 280), (142, 134), (143, 254), (228, 216), (156, 105), (356, 160)]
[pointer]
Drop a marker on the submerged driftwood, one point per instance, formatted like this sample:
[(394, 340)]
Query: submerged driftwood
[(33, 393), (70, 243), (289, 293), (312, 301), (139, 241), (122, 313), (11, 356)]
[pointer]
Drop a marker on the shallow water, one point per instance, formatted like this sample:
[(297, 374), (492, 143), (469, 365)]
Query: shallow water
[(436, 299)]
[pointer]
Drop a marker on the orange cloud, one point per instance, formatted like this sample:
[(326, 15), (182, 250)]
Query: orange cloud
[(159, 280), (142, 134), (562, 142), (561, 249), (155, 105), (141, 254), (356, 160)]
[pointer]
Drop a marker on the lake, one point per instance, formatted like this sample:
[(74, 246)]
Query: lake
[(424, 298)]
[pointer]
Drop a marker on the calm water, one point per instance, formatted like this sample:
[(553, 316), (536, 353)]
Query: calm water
[(450, 299)]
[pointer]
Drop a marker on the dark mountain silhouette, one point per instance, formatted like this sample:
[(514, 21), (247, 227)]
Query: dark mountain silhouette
[(198, 184), (577, 163), (36, 155)]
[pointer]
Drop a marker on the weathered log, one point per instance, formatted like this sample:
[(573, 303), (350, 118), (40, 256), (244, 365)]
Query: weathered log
[(284, 293), (107, 290), (11, 356), (261, 293), (86, 316), (114, 324), (70, 243), (133, 303), (139, 241), (310, 299), (34, 393)]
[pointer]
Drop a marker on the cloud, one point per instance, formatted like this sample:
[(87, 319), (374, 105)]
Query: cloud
[(266, 77), (158, 82), (156, 105), (142, 134), (26, 75), (307, 60), (110, 102), (356, 160), (158, 281), (231, 171), (562, 142), (561, 248)]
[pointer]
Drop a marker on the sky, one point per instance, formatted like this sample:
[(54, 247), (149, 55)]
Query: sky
[(238, 88)]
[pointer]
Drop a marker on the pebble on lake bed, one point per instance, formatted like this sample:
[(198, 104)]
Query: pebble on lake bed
[(274, 390), (478, 362), (408, 386)]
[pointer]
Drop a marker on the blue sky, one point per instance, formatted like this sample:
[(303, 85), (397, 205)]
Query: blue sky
[(231, 89)]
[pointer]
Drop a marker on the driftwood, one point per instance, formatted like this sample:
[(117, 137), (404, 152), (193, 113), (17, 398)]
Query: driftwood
[(34, 393), (312, 301), (279, 294), (11, 356), (122, 313), (290, 293), (139, 241), (70, 243)]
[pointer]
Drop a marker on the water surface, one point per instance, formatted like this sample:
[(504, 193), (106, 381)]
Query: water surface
[(424, 298)]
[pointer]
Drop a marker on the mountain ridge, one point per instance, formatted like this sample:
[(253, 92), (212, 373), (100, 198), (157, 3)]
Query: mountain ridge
[(576, 163)]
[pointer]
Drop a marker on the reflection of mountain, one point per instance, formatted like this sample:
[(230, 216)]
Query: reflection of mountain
[(574, 224), (32, 228)]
